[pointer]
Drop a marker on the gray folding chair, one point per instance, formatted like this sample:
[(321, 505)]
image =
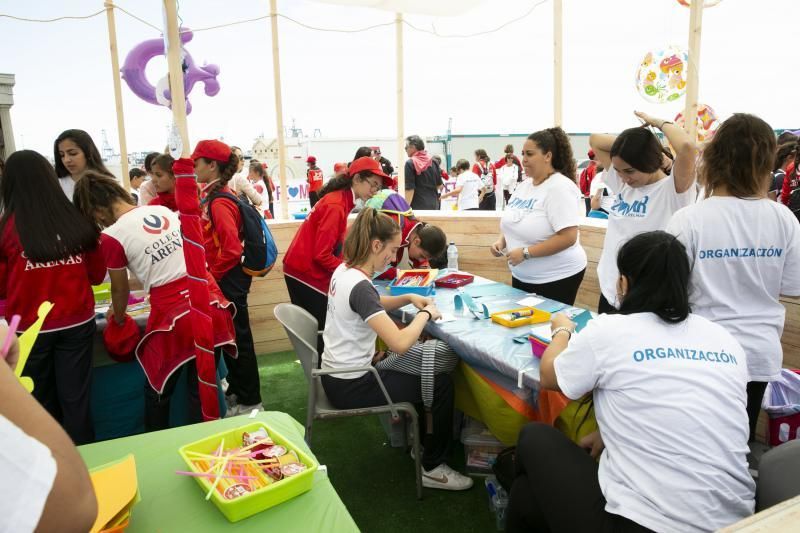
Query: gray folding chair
[(778, 475), (301, 328)]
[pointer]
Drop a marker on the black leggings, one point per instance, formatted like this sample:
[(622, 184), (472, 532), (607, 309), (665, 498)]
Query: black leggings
[(556, 487), (364, 392), (755, 394), (562, 290), (60, 365), (242, 370), (312, 301)]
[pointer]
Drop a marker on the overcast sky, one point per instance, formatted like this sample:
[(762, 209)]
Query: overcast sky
[(344, 84)]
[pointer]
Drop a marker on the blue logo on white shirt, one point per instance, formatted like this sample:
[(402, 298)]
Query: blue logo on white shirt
[(519, 203), (638, 209)]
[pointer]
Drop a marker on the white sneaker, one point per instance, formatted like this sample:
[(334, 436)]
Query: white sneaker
[(240, 409), (445, 478)]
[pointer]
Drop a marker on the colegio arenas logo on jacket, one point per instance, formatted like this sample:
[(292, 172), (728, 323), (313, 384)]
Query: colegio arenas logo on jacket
[(155, 225), (637, 209)]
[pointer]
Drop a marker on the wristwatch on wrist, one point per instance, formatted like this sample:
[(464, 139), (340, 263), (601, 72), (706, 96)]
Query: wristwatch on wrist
[(525, 253)]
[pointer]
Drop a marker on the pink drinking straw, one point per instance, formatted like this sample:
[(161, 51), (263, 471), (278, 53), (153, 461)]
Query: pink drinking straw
[(12, 333)]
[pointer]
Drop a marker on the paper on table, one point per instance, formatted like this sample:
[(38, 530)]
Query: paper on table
[(117, 491), (542, 331), (530, 301), (446, 317)]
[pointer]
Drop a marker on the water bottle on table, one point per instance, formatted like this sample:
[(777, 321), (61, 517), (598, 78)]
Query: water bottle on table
[(452, 257)]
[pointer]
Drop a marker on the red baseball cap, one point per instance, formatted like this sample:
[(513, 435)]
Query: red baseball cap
[(311, 159), (340, 167), (212, 149), (367, 164)]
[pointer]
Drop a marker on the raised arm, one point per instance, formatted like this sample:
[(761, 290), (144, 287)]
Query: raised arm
[(683, 170), (601, 144)]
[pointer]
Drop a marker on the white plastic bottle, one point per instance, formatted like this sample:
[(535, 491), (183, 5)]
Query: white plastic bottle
[(452, 257)]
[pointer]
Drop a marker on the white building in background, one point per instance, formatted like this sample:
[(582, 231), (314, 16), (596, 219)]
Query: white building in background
[(7, 146)]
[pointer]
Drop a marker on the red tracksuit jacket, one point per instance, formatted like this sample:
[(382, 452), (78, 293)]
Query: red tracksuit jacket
[(67, 283), (223, 242), (316, 249)]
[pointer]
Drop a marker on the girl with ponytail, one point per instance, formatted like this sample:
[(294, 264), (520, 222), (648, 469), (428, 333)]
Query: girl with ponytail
[(356, 317), (215, 164), (539, 228), (147, 240)]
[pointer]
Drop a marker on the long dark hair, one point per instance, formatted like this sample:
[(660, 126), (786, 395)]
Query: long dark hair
[(556, 141), (657, 268), (638, 147), (87, 146), (50, 228), (98, 192)]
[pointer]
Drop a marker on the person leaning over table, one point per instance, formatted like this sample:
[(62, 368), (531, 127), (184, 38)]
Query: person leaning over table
[(44, 484), (539, 227), (669, 393)]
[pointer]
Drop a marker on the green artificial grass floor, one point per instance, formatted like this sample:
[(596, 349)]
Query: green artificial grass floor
[(374, 480)]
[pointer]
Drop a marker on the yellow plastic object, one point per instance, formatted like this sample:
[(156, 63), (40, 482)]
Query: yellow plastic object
[(102, 292), (260, 499), (504, 317), (26, 341), (116, 487)]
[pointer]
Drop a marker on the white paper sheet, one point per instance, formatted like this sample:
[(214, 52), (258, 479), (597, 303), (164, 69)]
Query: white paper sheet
[(530, 301)]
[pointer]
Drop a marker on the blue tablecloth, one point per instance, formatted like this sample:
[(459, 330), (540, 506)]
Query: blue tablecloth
[(482, 344)]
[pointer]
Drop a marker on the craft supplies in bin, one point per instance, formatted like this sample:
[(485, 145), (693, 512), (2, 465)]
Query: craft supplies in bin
[(522, 316), (248, 469), (414, 282), (454, 280), (480, 447)]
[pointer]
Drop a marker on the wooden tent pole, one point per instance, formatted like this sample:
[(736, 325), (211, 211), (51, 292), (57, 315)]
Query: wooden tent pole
[(693, 69), (177, 98), (276, 76), (558, 56), (123, 143), (401, 153)]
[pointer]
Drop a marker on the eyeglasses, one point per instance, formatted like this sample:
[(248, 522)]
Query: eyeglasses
[(374, 186)]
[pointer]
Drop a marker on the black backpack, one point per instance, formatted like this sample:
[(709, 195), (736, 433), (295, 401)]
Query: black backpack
[(260, 252)]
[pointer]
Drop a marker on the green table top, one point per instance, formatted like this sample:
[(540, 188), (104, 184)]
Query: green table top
[(171, 502)]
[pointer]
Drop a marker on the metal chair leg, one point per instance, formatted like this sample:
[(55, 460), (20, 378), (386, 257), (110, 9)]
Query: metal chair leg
[(414, 427)]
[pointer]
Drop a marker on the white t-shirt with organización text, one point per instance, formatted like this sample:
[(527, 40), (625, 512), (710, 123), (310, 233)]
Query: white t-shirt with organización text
[(27, 473), (534, 214), (635, 210), (670, 401), (471, 188), (744, 254), (352, 302)]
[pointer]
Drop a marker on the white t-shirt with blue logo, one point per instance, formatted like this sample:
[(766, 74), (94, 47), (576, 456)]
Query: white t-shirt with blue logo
[(635, 210), (534, 214), (670, 401), (744, 254)]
